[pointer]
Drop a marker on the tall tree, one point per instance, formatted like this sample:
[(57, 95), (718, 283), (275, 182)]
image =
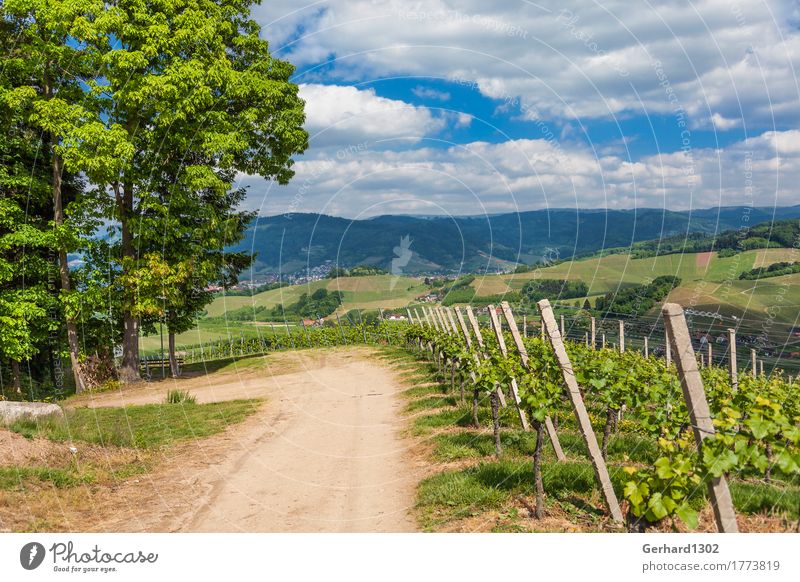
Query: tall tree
[(182, 76)]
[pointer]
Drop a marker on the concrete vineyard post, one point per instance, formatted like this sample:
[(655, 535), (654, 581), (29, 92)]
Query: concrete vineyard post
[(621, 336), (523, 354), (667, 348), (699, 413), (589, 437), (732, 364), (498, 332)]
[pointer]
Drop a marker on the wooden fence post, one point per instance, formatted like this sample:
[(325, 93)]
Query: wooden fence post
[(498, 332), (594, 334), (621, 336), (733, 369), (699, 413), (523, 354), (599, 465)]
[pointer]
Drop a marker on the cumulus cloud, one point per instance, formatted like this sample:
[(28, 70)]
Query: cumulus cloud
[(528, 174), (345, 115), (428, 93), (722, 61)]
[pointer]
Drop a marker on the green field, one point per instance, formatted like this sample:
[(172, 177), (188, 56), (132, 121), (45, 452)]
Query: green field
[(372, 292), (709, 282)]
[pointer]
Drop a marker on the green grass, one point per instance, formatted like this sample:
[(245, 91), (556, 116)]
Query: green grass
[(12, 478), (145, 426)]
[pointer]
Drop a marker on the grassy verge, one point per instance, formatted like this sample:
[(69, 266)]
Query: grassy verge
[(474, 491), (144, 427)]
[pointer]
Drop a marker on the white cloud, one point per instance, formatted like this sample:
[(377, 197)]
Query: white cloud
[(723, 60), (429, 93), (528, 174), (344, 115)]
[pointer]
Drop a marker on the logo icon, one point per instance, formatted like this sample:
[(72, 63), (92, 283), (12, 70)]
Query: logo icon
[(31, 555)]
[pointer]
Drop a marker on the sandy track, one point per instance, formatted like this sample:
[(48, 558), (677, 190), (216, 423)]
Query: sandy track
[(323, 455)]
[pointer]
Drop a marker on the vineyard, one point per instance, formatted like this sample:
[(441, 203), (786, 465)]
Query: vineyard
[(751, 432)]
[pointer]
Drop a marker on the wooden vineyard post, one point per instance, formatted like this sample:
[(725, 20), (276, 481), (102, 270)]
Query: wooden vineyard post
[(621, 336), (732, 364), (710, 360), (563, 327), (599, 465), (542, 329), (435, 320), (452, 321), (523, 354), (463, 325), (419, 319), (475, 327), (699, 413), (442, 320), (604, 341), (753, 364), (594, 333), (586, 339), (525, 325), (646, 347), (408, 312), (498, 332), (761, 368)]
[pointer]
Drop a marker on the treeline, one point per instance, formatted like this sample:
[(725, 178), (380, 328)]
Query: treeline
[(774, 270), (554, 289), (122, 131), (357, 271), (252, 290), (634, 301)]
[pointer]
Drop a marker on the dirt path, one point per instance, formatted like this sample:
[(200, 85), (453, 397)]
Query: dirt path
[(323, 455)]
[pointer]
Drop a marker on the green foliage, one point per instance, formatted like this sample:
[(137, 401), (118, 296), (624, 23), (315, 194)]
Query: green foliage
[(537, 289), (634, 301), (774, 270)]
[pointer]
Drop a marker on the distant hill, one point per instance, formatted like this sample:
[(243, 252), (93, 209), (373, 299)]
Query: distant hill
[(289, 244)]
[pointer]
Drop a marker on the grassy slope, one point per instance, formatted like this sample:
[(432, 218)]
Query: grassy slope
[(704, 285)]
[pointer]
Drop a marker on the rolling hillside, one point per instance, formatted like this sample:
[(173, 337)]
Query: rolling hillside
[(477, 244)]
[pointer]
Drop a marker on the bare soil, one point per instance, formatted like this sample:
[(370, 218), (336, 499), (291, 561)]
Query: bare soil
[(323, 455)]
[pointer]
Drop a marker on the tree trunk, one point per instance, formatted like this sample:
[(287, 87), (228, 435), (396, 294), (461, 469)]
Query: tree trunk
[(16, 377), (173, 361), (611, 414), (495, 398), (537, 469), (129, 371), (476, 395), (63, 265)]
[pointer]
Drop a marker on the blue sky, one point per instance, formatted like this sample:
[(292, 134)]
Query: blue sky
[(444, 107)]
